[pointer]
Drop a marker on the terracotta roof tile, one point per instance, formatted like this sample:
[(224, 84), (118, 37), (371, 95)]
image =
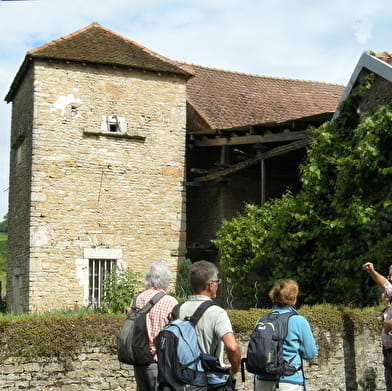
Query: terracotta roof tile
[(229, 99), (224, 99), (385, 56), (97, 44)]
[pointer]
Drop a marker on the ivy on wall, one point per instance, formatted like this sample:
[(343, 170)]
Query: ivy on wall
[(341, 218)]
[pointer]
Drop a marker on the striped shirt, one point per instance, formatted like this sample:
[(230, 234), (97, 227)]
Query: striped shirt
[(387, 337), (157, 317)]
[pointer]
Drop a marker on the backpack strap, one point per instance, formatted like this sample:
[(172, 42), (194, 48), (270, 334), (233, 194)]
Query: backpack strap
[(175, 314), (200, 311), (150, 303), (285, 316)]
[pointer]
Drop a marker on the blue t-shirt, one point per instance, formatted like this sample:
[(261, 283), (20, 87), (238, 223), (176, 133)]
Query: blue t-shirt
[(299, 344)]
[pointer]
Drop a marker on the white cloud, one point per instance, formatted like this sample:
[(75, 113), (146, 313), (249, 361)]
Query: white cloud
[(300, 39), (362, 30)]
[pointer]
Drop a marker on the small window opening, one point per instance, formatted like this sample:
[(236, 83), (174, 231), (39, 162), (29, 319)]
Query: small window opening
[(113, 128), (113, 123), (99, 269)]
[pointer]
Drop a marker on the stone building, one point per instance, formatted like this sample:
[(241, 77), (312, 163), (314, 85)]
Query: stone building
[(120, 156)]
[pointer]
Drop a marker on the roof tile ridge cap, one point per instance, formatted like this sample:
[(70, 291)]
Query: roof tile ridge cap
[(217, 69), (184, 65), (374, 53), (258, 76), (63, 38), (381, 55), (148, 51)]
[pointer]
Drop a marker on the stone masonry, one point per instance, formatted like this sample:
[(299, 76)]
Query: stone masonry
[(79, 191), (350, 366)]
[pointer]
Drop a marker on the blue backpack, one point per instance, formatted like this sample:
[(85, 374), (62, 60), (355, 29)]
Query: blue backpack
[(181, 364)]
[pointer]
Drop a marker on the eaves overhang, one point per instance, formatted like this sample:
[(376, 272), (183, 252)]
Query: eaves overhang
[(372, 63)]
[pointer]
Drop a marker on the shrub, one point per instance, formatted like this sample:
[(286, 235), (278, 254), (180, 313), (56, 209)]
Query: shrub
[(183, 285), (341, 218), (119, 289)]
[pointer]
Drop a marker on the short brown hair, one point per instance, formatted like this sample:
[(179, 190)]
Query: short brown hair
[(202, 272), (284, 292)]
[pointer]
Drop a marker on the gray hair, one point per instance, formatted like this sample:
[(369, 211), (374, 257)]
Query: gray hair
[(158, 275)]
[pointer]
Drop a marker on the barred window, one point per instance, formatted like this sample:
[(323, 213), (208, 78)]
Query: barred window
[(98, 270)]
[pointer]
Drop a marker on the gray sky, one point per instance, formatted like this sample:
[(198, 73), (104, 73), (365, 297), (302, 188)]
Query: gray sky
[(301, 39)]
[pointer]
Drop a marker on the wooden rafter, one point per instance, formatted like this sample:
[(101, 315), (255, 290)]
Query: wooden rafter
[(251, 139), (283, 149)]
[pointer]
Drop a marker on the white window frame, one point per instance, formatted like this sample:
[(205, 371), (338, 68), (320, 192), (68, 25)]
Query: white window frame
[(98, 271), (83, 267), (113, 124)]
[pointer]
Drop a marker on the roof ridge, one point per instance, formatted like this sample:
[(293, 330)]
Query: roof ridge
[(148, 51), (255, 75), (63, 38), (125, 39)]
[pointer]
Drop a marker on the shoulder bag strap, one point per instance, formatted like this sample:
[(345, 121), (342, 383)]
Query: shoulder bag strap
[(200, 311), (287, 316), (175, 313), (150, 303)]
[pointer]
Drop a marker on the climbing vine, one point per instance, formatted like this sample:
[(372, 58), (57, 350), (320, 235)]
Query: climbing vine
[(341, 217)]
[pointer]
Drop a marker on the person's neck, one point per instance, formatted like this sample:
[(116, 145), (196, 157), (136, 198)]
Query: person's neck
[(205, 293)]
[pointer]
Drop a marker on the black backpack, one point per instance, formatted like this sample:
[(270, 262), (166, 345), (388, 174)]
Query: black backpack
[(265, 348), (179, 357), (132, 345)]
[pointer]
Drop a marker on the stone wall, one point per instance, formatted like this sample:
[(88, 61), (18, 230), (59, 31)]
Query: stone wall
[(19, 195), (350, 365), (90, 191)]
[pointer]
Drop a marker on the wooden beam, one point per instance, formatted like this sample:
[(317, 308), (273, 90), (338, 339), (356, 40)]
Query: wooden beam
[(251, 139), (281, 150), (262, 182)]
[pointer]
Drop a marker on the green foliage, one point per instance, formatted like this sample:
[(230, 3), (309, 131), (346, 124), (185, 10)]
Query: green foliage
[(119, 289), (67, 332), (341, 218), (4, 224), (183, 285), (325, 318)]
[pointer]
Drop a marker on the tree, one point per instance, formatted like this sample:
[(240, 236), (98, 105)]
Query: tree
[(341, 217), (4, 224), (183, 285)]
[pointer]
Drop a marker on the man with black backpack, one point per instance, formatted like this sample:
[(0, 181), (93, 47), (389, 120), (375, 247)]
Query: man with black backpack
[(214, 331), (157, 279)]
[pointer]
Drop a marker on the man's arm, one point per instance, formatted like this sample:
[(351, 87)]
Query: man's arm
[(377, 277), (233, 352)]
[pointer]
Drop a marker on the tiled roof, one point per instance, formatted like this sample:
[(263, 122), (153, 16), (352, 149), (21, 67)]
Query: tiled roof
[(224, 99), (97, 44), (385, 56), (228, 99)]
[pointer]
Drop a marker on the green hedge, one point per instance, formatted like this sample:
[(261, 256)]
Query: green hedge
[(63, 335)]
